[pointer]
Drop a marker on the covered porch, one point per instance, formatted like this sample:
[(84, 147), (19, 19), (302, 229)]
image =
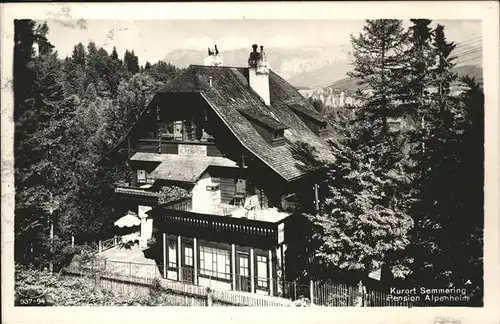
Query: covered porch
[(221, 251)]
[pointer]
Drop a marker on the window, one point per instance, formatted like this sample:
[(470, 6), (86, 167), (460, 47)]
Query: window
[(178, 131), (215, 262), (278, 134), (244, 266), (188, 256), (141, 175), (172, 254), (213, 187), (241, 185), (262, 271), (289, 202)]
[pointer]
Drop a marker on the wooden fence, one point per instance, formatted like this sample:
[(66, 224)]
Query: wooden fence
[(138, 278), (341, 295), (139, 283), (337, 295)]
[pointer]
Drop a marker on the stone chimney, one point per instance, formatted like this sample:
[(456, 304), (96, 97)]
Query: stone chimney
[(258, 73), (213, 58)]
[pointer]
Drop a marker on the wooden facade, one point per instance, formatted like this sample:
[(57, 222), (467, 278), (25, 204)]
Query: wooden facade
[(231, 148)]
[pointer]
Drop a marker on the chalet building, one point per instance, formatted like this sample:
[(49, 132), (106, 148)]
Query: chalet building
[(226, 134)]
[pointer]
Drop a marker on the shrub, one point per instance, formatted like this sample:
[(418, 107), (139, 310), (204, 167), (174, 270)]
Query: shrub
[(63, 290), (152, 241), (172, 193)]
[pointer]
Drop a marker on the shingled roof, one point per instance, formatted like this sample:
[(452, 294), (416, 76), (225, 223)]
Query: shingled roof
[(182, 168), (229, 93), (263, 119)]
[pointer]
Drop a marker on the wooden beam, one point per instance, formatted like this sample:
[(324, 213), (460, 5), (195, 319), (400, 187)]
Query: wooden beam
[(271, 283), (252, 271), (164, 255), (233, 265), (179, 258), (195, 260), (316, 200)]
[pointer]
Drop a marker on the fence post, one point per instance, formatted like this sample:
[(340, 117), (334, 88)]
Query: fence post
[(72, 241), (97, 280), (100, 247), (311, 288), (210, 300), (359, 294)]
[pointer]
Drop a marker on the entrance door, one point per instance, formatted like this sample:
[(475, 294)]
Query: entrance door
[(188, 264), (243, 271)]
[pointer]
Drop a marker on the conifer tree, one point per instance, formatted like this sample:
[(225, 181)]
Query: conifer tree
[(114, 54), (379, 60), (443, 71), (363, 221), (44, 154), (79, 55), (420, 61), (91, 48)]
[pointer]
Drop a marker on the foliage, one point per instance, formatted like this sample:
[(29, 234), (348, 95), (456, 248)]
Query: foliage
[(68, 113), (317, 104), (127, 245), (131, 62), (379, 61), (410, 200), (362, 217), (80, 291), (162, 72), (152, 241), (172, 193)]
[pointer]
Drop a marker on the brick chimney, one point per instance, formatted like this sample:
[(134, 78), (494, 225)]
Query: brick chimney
[(258, 73), (213, 58)]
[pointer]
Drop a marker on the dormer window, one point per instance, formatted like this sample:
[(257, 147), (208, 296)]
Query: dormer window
[(268, 126), (311, 118), (278, 134)]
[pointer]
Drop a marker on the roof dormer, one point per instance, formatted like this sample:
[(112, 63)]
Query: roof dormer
[(311, 118), (272, 130)]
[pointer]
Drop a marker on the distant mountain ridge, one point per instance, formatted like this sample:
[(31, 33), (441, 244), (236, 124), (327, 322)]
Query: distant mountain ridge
[(307, 67), (303, 67), (337, 93)]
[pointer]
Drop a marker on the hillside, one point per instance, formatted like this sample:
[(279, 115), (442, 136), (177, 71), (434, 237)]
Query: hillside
[(336, 93)]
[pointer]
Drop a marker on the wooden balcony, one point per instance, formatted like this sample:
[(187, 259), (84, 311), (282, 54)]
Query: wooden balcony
[(176, 218), (172, 147)]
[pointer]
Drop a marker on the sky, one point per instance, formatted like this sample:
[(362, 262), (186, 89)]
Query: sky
[(151, 40)]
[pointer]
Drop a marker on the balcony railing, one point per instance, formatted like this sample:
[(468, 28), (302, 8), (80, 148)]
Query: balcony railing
[(172, 147), (216, 228)]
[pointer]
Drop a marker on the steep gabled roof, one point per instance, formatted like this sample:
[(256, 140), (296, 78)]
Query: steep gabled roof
[(233, 100), (229, 93)]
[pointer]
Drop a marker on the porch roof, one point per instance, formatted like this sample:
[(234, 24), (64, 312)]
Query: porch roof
[(182, 168)]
